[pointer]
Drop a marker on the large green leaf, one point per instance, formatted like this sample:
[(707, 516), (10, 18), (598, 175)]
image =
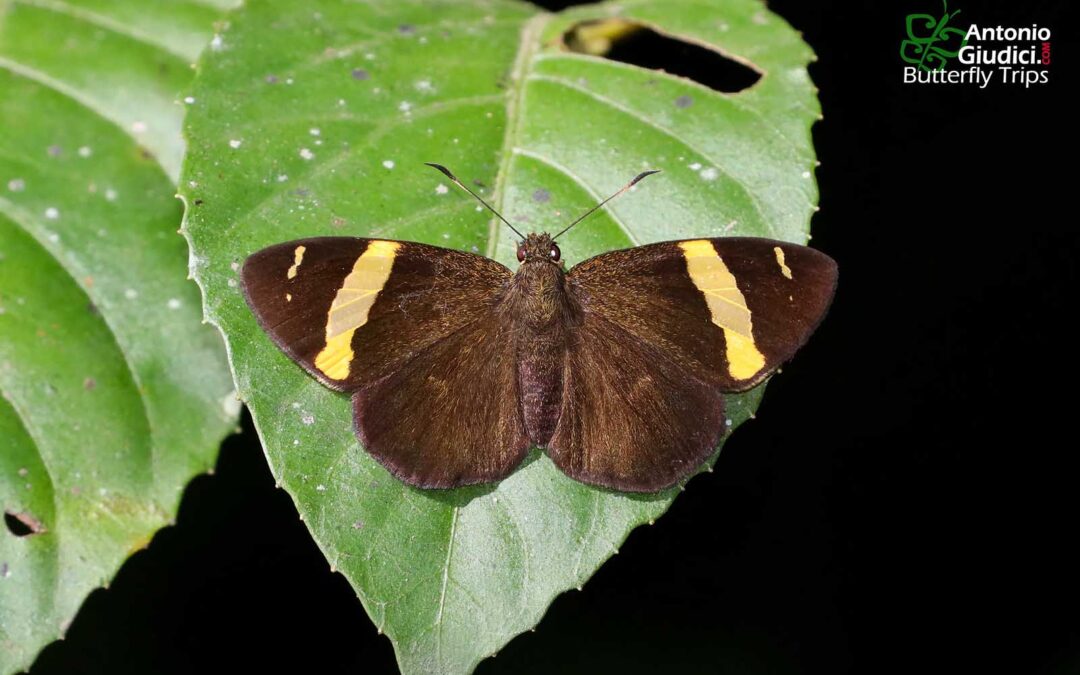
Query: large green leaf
[(113, 393), (314, 119)]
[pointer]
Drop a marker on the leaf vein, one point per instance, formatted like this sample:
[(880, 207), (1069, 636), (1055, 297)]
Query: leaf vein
[(754, 203)]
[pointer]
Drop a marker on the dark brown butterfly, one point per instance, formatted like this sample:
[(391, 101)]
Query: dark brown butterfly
[(618, 368)]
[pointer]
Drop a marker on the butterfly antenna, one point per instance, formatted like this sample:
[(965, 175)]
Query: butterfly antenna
[(446, 172), (593, 209)]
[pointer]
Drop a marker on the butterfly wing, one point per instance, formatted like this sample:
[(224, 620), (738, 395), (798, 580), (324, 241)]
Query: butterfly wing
[(450, 417), (666, 330), (631, 419), (351, 311), (728, 311), (411, 331)]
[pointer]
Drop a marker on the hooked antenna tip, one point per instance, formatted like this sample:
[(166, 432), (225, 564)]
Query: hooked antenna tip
[(442, 168), (643, 174)]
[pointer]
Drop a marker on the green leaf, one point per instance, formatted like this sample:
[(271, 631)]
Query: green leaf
[(112, 394), (314, 119)]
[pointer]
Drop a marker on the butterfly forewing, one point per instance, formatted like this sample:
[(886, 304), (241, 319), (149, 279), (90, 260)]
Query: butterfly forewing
[(352, 310), (727, 311)]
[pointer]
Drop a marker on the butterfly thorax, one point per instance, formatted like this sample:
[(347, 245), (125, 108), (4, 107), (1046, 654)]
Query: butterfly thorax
[(537, 294)]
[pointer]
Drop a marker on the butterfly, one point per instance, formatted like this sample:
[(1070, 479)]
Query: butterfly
[(617, 369)]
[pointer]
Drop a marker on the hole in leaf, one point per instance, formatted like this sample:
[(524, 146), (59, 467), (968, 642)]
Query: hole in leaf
[(22, 524), (637, 44)]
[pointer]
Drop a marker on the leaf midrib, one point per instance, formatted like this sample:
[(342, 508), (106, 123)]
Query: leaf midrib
[(530, 44)]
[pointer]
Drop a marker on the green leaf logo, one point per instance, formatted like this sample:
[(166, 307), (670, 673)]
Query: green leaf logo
[(930, 51)]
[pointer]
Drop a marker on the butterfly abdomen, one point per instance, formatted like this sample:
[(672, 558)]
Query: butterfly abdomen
[(540, 380), (543, 315)]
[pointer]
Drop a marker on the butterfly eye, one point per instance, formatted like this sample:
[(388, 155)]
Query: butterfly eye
[(555, 253), (521, 253)]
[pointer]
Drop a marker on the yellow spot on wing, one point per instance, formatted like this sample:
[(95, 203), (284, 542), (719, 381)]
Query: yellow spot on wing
[(351, 305), (726, 305), (784, 269), (298, 257)]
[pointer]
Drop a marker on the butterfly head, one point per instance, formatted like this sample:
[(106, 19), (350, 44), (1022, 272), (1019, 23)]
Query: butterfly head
[(539, 247)]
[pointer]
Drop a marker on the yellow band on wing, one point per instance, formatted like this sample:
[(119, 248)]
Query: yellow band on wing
[(784, 269), (726, 305), (298, 257), (353, 301)]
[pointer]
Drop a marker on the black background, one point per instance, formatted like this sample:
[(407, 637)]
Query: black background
[(906, 499)]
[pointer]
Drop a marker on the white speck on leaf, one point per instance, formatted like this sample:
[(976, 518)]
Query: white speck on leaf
[(307, 154), (173, 303), (441, 189), (405, 107), (230, 403), (189, 100), (131, 294), (320, 487), (710, 173), (85, 151), (217, 44), (235, 143), (110, 195), (16, 185), (314, 131), (696, 166), (388, 163), (282, 177), (52, 213)]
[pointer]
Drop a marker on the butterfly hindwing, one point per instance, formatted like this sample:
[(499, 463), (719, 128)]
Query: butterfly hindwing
[(631, 419), (449, 417), (728, 311), (352, 311)]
